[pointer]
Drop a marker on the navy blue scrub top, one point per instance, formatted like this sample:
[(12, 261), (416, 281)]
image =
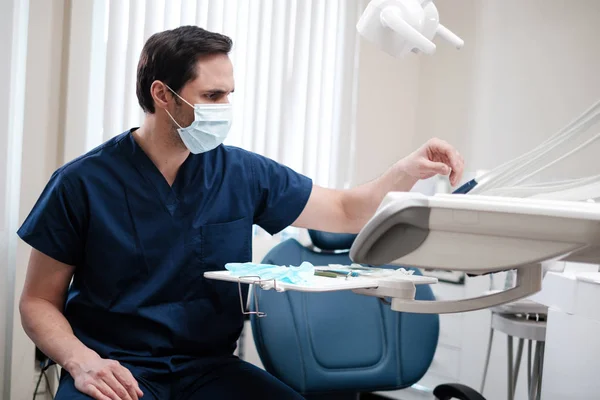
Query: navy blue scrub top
[(140, 246)]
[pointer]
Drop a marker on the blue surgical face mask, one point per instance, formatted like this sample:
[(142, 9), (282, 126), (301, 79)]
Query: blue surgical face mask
[(209, 129)]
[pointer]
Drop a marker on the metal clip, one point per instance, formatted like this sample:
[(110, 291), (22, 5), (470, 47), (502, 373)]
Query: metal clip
[(260, 282)]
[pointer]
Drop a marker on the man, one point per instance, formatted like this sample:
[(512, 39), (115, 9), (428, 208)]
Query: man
[(136, 222)]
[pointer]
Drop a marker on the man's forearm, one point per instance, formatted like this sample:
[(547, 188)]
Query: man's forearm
[(51, 332), (361, 202)]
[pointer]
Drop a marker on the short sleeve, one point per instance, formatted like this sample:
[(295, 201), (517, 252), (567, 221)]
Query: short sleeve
[(281, 194), (55, 225)]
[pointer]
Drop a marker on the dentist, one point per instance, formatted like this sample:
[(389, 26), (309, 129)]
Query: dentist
[(122, 235)]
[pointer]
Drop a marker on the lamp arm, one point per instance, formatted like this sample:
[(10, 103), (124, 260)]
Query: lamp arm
[(392, 18)]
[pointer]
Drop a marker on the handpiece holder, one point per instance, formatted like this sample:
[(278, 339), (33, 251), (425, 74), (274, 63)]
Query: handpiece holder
[(399, 27), (529, 282)]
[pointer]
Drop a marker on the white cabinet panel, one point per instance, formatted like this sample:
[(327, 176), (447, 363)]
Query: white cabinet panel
[(451, 330), (446, 362)]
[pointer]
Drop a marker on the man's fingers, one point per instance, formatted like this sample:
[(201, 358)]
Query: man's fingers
[(126, 379), (454, 159), (117, 387), (448, 153), (106, 390), (93, 391), (432, 167), (457, 171), (453, 178), (443, 147)]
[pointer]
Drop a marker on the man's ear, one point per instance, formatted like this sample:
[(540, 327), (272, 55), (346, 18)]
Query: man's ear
[(160, 94)]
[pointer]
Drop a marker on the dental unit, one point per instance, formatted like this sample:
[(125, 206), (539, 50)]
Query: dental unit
[(503, 220)]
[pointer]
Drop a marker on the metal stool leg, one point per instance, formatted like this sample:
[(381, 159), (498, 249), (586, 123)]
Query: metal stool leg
[(487, 360), (533, 392), (529, 366), (510, 367), (517, 366), (541, 370)]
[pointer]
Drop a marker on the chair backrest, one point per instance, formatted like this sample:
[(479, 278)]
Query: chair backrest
[(339, 341)]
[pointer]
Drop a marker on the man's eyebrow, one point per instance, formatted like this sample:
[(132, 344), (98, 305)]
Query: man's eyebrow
[(218, 91)]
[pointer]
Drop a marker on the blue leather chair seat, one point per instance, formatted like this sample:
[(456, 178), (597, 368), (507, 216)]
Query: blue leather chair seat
[(339, 342)]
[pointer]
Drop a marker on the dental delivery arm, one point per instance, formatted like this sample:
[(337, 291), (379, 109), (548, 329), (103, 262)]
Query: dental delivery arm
[(41, 303)]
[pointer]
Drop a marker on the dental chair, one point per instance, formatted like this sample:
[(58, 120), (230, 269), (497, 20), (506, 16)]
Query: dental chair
[(342, 345)]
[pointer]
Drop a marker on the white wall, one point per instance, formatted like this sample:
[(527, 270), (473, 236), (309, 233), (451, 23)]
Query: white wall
[(404, 102), (526, 70), (40, 72), (446, 79), (386, 117), (13, 37), (44, 94)]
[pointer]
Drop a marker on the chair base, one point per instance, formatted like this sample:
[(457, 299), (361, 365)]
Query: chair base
[(456, 391), (442, 392)]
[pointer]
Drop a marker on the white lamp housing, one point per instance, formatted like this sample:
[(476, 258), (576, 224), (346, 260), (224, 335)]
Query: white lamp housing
[(402, 26)]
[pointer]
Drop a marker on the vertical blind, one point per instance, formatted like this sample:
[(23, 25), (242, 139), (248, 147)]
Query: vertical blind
[(295, 67)]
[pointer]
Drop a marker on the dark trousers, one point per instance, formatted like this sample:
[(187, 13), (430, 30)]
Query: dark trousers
[(234, 379)]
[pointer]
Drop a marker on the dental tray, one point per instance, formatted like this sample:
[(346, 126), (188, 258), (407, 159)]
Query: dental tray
[(319, 283)]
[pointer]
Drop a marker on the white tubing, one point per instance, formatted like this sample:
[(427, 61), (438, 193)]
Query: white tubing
[(539, 190), (561, 158), (495, 177), (579, 193)]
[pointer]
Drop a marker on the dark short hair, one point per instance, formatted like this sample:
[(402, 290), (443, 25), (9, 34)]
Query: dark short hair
[(171, 57)]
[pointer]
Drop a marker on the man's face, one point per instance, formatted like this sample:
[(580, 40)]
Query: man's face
[(213, 84)]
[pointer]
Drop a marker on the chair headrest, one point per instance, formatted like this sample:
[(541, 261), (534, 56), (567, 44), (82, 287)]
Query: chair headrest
[(331, 241)]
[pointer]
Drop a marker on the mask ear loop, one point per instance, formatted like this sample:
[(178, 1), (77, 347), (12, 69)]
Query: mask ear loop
[(184, 100), (177, 94), (173, 119)]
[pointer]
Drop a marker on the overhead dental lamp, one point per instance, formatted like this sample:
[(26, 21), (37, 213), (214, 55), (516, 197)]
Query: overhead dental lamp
[(399, 27)]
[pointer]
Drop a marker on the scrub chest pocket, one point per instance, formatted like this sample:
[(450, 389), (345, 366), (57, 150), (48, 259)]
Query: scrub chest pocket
[(221, 243)]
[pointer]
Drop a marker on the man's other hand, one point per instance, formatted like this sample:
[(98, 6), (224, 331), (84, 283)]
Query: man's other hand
[(103, 379)]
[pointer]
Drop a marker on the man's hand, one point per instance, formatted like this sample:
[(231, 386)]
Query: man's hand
[(103, 379), (349, 210), (433, 158)]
